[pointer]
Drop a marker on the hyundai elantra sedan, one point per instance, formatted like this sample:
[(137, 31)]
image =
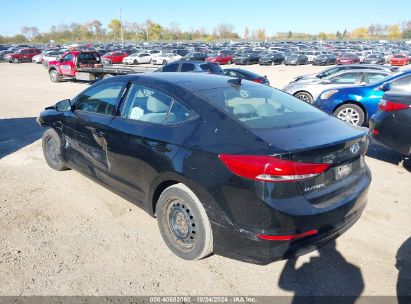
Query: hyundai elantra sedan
[(227, 166)]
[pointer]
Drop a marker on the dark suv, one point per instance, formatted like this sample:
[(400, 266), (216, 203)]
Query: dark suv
[(25, 54), (192, 66)]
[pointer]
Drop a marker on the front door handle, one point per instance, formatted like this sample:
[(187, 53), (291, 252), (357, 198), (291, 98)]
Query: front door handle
[(162, 148)]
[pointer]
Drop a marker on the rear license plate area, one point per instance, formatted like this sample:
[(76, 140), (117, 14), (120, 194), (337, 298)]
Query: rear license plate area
[(343, 171)]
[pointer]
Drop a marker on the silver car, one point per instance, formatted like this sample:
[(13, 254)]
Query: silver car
[(309, 91)]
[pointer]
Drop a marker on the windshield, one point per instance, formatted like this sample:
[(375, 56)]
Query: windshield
[(261, 107)]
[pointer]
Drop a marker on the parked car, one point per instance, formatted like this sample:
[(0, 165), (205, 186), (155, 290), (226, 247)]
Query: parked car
[(309, 91), (51, 56), (115, 57), (165, 58), (4, 53), (272, 59), (391, 125), (374, 59), (348, 58), (23, 55), (195, 56), (336, 69), (221, 58), (247, 58), (400, 60), (247, 75), (137, 58), (245, 177), (192, 66), (311, 55), (295, 59), (325, 59), (357, 104)]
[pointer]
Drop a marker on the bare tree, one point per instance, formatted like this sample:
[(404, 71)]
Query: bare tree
[(30, 32)]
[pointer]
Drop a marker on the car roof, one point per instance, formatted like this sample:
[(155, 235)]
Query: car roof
[(189, 81)]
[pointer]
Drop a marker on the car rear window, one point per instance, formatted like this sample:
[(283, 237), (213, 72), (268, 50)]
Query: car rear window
[(212, 67), (262, 107)]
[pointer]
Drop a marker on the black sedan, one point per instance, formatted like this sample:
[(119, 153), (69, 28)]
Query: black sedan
[(272, 59), (259, 177), (391, 125), (247, 59), (195, 56), (325, 59), (296, 59), (245, 74)]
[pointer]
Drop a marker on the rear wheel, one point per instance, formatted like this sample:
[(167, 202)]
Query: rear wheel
[(304, 96), (229, 62), (51, 143), (183, 223), (350, 113), (135, 61), (55, 76)]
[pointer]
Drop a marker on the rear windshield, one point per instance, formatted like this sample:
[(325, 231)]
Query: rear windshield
[(262, 107), (212, 67)]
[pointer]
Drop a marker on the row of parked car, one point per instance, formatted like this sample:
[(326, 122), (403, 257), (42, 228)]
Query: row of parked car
[(296, 53)]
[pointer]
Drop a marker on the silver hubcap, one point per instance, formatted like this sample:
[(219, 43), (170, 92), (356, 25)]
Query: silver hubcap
[(304, 97), (349, 115)]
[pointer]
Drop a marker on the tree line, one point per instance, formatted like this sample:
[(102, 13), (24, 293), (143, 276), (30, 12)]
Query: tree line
[(116, 31)]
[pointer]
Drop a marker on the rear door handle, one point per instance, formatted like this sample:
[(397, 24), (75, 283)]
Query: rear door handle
[(162, 148)]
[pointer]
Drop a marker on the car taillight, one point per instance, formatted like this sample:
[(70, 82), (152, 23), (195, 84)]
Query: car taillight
[(259, 80), (270, 169), (388, 106)]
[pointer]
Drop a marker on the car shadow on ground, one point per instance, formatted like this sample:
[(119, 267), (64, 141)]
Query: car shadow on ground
[(327, 278), (403, 265), (381, 153), (16, 133)]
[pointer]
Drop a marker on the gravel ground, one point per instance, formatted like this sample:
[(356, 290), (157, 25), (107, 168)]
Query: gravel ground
[(62, 234)]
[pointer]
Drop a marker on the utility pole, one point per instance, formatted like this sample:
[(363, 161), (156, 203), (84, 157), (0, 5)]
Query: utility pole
[(121, 29)]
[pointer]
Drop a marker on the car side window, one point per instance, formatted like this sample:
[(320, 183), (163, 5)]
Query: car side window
[(187, 67), (373, 77), (100, 99), (346, 78), (401, 83), (150, 105), (170, 68), (68, 57)]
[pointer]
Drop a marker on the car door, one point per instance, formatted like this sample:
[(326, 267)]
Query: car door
[(93, 111), (67, 66), (144, 138)]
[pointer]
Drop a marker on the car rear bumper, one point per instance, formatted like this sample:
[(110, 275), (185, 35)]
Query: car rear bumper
[(242, 243)]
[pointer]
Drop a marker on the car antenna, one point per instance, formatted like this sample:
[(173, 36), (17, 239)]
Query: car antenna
[(235, 81)]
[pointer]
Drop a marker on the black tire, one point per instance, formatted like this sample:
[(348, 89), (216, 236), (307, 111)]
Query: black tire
[(229, 62), (135, 62), (55, 76), (273, 63), (15, 60), (350, 113), (164, 62), (305, 96), (183, 223), (52, 150)]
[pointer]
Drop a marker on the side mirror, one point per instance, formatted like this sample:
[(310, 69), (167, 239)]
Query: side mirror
[(60, 59), (386, 87), (63, 105)]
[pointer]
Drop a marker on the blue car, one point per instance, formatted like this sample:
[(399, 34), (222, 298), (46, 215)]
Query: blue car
[(356, 104)]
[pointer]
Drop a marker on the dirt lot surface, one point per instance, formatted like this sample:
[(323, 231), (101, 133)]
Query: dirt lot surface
[(62, 234)]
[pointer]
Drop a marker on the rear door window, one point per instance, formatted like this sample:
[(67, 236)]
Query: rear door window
[(170, 67), (187, 67)]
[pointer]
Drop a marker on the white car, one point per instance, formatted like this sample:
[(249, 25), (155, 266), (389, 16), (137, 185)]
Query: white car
[(137, 58), (166, 58), (50, 56)]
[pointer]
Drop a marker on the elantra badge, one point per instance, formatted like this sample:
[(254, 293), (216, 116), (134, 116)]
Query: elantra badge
[(355, 148)]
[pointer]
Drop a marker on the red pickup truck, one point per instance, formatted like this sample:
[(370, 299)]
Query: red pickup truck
[(25, 54), (84, 65)]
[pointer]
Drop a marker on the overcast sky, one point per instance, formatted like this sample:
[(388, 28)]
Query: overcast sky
[(275, 16)]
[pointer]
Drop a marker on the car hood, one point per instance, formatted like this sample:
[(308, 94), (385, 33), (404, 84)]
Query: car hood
[(329, 131)]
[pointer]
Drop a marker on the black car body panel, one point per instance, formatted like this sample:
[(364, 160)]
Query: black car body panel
[(137, 160), (392, 129)]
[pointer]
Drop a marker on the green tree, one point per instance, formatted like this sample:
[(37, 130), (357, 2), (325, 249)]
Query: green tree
[(338, 35), (115, 28), (394, 32), (290, 35), (406, 34)]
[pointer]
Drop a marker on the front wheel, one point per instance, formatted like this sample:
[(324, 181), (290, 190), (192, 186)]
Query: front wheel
[(15, 60), (52, 150), (304, 96), (183, 223), (55, 76), (351, 114)]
